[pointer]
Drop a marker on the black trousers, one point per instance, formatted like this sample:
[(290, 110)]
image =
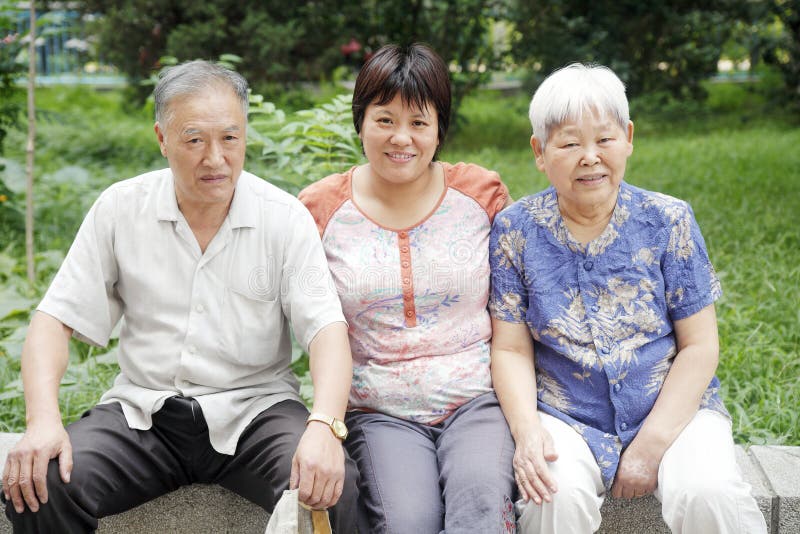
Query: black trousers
[(116, 468)]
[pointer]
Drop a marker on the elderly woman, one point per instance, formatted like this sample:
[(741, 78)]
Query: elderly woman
[(603, 314), (407, 241)]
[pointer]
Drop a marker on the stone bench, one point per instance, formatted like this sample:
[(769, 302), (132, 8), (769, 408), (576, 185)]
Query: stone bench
[(774, 473)]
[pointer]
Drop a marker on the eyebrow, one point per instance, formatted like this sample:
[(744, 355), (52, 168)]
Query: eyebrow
[(194, 131)]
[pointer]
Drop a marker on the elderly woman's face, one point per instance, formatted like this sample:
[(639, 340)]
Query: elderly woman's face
[(585, 160)]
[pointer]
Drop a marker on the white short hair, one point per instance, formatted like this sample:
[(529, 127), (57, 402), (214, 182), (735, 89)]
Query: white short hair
[(570, 91)]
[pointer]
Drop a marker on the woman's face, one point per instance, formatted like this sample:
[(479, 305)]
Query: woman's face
[(585, 161), (399, 140)]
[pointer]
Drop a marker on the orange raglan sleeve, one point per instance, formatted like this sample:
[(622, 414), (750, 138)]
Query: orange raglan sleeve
[(483, 185), (324, 197)]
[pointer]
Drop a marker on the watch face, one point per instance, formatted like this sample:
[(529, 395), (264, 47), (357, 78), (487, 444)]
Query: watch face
[(339, 429)]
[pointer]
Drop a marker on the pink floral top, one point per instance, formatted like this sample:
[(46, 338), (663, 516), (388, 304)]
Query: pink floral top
[(415, 298)]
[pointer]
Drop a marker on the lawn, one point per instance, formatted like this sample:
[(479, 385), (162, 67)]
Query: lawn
[(740, 170)]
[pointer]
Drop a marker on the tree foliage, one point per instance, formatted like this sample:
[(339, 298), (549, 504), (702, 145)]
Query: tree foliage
[(653, 46), (782, 47), (287, 42), (10, 70)]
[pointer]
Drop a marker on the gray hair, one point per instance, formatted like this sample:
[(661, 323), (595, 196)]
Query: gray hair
[(191, 78), (568, 92)]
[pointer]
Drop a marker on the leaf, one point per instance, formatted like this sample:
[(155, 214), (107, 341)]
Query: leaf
[(13, 175), (12, 302)]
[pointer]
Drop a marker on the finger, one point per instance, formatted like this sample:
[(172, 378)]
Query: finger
[(6, 470), (550, 453), (65, 463), (26, 483), (13, 487), (539, 486), (322, 485), (532, 486), (305, 485), (524, 495), (540, 468), (39, 476), (327, 495), (338, 488)]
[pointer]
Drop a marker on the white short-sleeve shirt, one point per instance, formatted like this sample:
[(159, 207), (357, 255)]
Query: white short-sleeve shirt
[(213, 325)]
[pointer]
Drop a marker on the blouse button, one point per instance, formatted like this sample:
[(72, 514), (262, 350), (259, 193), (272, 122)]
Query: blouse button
[(605, 350), (623, 426), (404, 249), (405, 264), (595, 308), (403, 235), (617, 387), (409, 313), (406, 281), (199, 308), (588, 264)]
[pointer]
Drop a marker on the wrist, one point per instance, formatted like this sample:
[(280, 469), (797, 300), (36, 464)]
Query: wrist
[(336, 426)]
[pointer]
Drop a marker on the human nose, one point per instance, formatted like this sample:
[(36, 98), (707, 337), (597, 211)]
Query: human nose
[(214, 155), (591, 156), (400, 136)]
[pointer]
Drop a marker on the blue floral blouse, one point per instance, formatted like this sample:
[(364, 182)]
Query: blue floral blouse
[(602, 315)]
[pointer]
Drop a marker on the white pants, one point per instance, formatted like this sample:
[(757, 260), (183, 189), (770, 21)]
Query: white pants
[(699, 484)]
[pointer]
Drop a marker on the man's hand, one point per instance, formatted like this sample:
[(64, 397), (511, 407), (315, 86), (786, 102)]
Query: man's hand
[(637, 474), (318, 467), (25, 472), (530, 466)]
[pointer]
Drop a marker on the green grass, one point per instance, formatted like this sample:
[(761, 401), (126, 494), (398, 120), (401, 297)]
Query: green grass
[(732, 158)]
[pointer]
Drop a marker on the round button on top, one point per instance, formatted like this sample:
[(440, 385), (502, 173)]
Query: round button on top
[(588, 264), (595, 308), (199, 308), (617, 387), (623, 426)]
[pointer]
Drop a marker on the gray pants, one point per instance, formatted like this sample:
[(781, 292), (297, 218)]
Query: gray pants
[(455, 476), (117, 468)]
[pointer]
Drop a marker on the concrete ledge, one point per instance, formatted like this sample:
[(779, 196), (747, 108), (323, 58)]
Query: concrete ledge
[(772, 471)]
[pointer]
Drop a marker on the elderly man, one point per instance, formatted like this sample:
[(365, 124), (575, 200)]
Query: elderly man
[(207, 265)]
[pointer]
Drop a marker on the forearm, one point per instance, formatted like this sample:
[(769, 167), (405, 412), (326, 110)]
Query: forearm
[(514, 381), (514, 377), (331, 370), (45, 356), (687, 380)]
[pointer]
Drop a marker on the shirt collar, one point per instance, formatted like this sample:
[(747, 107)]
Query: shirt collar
[(242, 212)]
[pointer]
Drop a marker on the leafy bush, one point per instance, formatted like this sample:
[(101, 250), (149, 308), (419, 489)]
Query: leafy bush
[(296, 150)]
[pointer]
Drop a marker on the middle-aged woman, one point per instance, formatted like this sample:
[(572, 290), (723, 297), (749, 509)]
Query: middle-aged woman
[(406, 238), (603, 308)]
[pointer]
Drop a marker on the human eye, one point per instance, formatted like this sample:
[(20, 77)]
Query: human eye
[(384, 120), (419, 123), (194, 141)]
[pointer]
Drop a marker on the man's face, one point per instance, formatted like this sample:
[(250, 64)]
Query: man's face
[(204, 141)]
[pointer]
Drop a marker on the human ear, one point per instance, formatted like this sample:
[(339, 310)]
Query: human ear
[(538, 153), (162, 139)]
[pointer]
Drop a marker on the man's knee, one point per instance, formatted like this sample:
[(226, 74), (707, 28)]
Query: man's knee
[(61, 513)]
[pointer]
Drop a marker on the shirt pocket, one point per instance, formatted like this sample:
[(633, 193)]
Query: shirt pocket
[(253, 327)]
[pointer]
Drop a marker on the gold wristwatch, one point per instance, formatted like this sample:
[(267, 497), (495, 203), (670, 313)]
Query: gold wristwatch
[(337, 426)]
